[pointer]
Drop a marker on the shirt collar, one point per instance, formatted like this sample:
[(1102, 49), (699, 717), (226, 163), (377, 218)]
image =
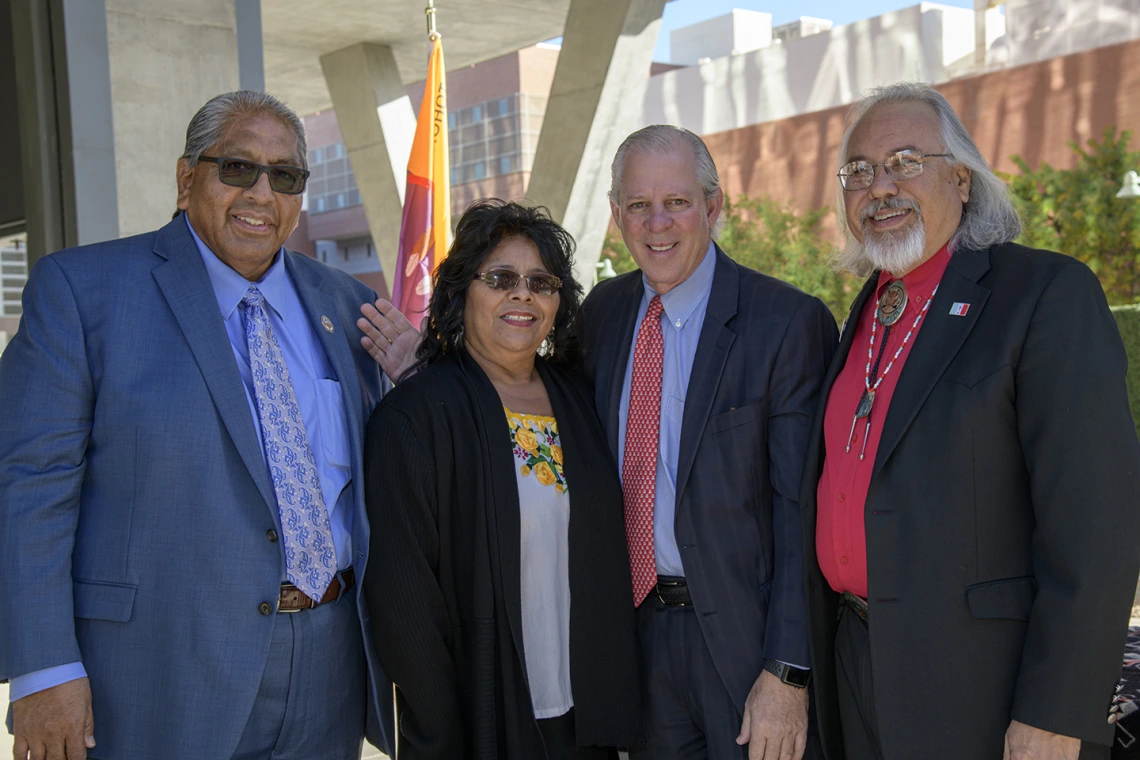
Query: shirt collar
[(923, 278), (680, 302), (230, 287)]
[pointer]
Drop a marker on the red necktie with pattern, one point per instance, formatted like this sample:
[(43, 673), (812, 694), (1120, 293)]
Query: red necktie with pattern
[(639, 468)]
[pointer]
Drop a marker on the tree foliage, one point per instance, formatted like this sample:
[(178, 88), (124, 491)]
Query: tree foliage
[(1076, 212), (777, 240)]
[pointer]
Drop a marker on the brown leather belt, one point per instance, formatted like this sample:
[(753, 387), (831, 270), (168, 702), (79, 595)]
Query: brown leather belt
[(856, 603), (293, 599)]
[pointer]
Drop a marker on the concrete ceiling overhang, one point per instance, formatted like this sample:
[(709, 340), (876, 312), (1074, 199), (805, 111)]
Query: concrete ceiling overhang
[(296, 33)]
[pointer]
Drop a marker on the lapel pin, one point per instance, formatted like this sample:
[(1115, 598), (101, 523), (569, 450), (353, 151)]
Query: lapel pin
[(959, 309), (326, 323)]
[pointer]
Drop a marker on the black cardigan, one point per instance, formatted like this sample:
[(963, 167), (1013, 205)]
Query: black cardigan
[(443, 576)]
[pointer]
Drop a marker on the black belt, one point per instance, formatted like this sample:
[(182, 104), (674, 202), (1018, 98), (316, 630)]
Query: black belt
[(856, 603), (672, 591)]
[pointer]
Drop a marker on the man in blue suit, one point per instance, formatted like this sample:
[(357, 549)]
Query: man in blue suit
[(180, 467), (706, 377)]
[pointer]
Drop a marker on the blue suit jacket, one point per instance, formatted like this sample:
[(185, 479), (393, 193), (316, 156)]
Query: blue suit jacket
[(134, 498), (763, 351)]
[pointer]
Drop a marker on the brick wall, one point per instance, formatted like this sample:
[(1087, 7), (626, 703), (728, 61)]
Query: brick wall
[(1031, 110)]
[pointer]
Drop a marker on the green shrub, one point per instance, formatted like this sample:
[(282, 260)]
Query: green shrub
[(1128, 320)]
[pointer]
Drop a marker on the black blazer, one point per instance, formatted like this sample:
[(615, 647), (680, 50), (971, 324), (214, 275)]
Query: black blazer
[(1001, 517), (761, 357), (444, 588)]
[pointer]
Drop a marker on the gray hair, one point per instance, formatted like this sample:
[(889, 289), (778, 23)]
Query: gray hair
[(988, 218), (209, 125), (664, 138)]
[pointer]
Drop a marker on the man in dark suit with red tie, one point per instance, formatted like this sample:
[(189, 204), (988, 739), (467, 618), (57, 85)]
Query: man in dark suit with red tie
[(969, 496), (706, 376)]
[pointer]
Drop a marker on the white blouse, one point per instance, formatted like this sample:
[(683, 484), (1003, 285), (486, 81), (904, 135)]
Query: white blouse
[(544, 512)]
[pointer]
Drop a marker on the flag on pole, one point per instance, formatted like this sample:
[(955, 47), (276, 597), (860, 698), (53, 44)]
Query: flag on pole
[(427, 206)]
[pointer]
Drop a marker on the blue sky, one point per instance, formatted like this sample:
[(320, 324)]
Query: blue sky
[(685, 12)]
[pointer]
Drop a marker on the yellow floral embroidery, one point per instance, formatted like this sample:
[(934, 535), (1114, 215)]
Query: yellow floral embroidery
[(527, 439), (538, 448), (544, 474)]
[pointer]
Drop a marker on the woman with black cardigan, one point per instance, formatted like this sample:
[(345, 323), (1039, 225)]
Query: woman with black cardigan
[(498, 581)]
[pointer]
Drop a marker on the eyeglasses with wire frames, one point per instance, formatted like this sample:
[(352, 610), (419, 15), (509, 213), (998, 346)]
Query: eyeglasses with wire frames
[(240, 172), (904, 165), (504, 279)]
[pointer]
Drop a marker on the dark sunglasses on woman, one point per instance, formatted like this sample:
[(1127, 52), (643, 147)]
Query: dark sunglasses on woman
[(239, 172), (505, 279)]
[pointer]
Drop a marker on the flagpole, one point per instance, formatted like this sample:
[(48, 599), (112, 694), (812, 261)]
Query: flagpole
[(429, 11)]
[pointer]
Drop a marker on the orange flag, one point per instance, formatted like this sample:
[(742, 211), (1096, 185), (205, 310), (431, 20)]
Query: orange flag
[(427, 206)]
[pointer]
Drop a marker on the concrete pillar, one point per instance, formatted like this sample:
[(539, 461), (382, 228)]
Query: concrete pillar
[(378, 125), (90, 184), (251, 52), (595, 100), (66, 128), (36, 92), (167, 58)]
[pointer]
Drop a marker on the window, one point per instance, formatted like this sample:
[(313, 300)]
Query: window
[(340, 200), (455, 176), (476, 114), (320, 205), (504, 106), (452, 120), (318, 158), (505, 165), (480, 170)]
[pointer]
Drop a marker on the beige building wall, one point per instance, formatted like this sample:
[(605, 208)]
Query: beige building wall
[(167, 58)]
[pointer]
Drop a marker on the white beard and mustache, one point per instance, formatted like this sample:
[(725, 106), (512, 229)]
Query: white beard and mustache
[(893, 250)]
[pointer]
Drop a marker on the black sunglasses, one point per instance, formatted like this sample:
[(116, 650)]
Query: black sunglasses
[(505, 279), (238, 172)]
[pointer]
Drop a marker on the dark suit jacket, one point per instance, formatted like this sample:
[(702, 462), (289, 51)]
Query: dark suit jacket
[(762, 354), (1001, 517)]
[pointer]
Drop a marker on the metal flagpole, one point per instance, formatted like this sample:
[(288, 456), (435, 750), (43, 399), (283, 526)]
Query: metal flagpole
[(429, 11)]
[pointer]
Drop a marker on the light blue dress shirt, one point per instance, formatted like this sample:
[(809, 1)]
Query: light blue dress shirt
[(681, 322), (318, 395)]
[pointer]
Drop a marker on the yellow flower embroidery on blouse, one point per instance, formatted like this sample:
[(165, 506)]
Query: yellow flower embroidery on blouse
[(538, 448)]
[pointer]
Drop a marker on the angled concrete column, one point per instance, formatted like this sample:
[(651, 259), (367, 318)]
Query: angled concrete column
[(377, 122), (595, 100)]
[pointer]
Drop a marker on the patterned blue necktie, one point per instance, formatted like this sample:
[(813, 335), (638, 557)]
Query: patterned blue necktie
[(310, 556)]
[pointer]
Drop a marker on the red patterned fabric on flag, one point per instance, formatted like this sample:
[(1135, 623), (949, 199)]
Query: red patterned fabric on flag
[(639, 467)]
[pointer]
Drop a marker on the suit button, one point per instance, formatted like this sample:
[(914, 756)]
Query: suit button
[(265, 608), (272, 536), (842, 497), (843, 560)]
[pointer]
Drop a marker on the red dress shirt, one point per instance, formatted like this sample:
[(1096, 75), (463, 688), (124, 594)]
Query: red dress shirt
[(840, 537)]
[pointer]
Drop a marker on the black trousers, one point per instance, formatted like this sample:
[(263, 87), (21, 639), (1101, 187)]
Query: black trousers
[(857, 693), (856, 689), (558, 735)]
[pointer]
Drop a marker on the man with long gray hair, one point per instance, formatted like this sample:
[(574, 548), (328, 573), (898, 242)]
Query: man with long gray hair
[(180, 467), (970, 485)]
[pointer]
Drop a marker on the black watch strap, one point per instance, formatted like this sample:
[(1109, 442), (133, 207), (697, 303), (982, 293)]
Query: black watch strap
[(788, 674)]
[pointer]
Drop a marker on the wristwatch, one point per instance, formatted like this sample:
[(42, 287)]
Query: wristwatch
[(789, 674)]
